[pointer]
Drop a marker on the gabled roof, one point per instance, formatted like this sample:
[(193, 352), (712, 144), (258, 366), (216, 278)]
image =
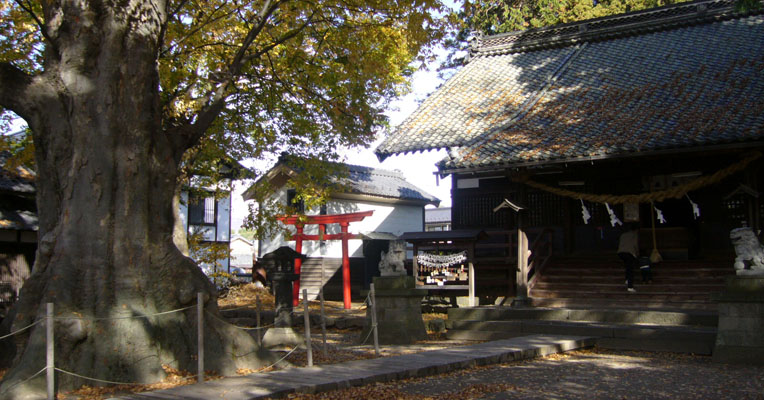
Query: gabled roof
[(364, 181), (19, 180), (17, 197), (436, 215), (677, 77)]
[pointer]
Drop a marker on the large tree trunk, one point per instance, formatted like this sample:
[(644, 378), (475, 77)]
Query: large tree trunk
[(107, 175)]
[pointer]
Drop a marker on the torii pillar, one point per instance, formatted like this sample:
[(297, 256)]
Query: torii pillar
[(344, 220)]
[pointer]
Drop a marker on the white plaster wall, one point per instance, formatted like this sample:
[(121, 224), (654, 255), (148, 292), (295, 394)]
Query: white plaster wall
[(240, 246), (388, 218), (223, 222), (184, 210)]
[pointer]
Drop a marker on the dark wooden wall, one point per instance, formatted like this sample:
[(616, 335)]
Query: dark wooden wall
[(722, 209)]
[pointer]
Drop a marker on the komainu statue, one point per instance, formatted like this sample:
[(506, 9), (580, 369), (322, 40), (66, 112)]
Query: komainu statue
[(391, 263), (748, 250)]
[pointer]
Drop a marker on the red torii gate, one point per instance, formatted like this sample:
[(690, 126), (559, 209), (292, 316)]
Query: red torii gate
[(344, 220)]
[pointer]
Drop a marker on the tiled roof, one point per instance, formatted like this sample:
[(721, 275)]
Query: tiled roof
[(435, 215), (376, 182), (17, 202), (19, 181), (385, 183), (567, 96)]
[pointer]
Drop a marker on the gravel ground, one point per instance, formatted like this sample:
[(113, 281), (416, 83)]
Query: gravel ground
[(602, 374), (584, 374)]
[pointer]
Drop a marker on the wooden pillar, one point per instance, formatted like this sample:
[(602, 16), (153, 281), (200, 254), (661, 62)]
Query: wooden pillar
[(471, 275), (345, 266), (521, 296), (297, 266), (415, 265)]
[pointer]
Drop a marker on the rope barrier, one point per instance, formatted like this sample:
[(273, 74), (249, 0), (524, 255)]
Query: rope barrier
[(673, 193), (236, 326), (21, 330), (125, 317), (24, 381), (279, 360), (369, 334), (237, 308), (366, 302), (95, 379)]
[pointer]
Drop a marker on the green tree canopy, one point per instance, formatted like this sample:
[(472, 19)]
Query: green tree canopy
[(501, 16), (124, 100)]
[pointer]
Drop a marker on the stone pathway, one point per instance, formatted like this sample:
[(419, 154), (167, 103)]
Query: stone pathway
[(356, 373)]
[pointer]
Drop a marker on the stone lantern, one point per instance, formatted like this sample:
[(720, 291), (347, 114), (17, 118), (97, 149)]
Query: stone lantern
[(279, 268)]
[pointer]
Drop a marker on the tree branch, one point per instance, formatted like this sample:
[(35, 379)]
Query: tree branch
[(207, 115), (38, 21), (196, 29), (279, 41), (14, 89)]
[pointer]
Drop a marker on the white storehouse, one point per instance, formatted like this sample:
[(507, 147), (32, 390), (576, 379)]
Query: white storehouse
[(211, 218), (242, 253), (398, 207)]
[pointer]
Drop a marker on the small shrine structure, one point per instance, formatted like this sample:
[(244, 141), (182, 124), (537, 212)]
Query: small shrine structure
[(344, 220), (459, 242)]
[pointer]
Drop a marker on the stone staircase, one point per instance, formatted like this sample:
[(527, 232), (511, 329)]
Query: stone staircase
[(598, 281), (690, 331), (586, 295)]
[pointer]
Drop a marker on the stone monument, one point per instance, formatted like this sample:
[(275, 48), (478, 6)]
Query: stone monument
[(391, 263), (399, 302), (750, 253), (741, 304), (279, 267)]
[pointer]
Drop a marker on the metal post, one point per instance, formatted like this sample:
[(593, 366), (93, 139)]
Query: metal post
[(323, 320), (307, 327), (374, 319), (200, 336), (258, 306), (49, 350)]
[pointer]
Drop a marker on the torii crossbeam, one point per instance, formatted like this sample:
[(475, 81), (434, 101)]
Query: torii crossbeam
[(300, 221)]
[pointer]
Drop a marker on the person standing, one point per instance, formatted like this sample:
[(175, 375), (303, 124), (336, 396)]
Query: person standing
[(628, 251)]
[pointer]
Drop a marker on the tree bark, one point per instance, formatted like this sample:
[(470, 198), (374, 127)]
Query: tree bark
[(107, 176)]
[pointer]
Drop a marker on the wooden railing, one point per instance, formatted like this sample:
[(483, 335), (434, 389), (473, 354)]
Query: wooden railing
[(541, 250), (501, 247)]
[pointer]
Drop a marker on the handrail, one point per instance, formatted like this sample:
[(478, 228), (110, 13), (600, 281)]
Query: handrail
[(535, 248)]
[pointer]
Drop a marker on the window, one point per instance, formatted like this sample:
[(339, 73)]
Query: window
[(298, 205), (201, 211)]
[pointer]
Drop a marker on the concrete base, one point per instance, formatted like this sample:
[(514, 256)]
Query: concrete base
[(399, 311), (741, 321), (283, 337)]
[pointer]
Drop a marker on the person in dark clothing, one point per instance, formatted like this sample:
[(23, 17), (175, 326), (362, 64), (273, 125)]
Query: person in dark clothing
[(628, 251), (645, 267)]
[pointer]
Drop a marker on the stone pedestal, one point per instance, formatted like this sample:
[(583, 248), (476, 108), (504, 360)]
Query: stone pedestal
[(741, 321), (283, 338), (281, 335), (399, 311)]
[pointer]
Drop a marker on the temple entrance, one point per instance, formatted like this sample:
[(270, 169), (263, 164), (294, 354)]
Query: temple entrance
[(344, 220)]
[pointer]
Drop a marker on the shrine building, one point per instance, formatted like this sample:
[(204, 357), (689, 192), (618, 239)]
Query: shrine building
[(655, 116)]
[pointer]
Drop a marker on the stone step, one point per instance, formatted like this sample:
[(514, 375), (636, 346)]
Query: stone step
[(627, 303), (619, 270), (655, 287), (613, 336), (614, 316), (671, 264), (621, 293)]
